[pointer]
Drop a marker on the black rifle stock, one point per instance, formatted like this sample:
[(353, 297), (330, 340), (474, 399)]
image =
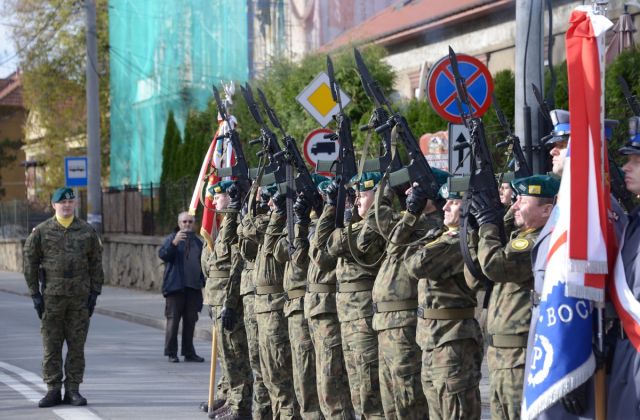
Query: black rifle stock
[(482, 178), (240, 170), (512, 141), (345, 165)]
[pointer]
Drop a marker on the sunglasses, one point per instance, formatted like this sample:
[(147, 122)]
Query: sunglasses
[(186, 221)]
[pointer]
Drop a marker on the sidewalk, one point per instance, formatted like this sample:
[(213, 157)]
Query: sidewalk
[(145, 308)]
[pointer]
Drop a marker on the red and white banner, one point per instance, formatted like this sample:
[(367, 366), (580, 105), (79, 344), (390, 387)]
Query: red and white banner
[(587, 192)]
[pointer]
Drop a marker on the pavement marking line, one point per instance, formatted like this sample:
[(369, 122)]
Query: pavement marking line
[(26, 391), (75, 414), (25, 374)]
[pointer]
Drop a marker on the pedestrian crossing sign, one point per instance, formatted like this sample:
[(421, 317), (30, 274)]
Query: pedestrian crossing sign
[(316, 99)]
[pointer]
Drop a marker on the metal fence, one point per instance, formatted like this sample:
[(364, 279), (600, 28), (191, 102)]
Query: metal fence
[(150, 209)]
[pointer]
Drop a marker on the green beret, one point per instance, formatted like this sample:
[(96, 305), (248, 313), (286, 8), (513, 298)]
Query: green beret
[(220, 187), (441, 176), (270, 189), (367, 181), (63, 193), (317, 179), (536, 186), (323, 186), (449, 195)]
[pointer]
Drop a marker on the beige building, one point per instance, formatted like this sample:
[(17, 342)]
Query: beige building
[(12, 119)]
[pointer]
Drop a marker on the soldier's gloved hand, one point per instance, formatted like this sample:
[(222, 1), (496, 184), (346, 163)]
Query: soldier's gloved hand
[(332, 193), (280, 201), (302, 210), (484, 211), (235, 196), (91, 304), (263, 203), (38, 304), (417, 199), (575, 402), (228, 318)]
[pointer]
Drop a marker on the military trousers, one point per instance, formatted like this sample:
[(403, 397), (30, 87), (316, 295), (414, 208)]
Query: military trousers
[(261, 407), (451, 380), (233, 353), (360, 348), (331, 378), (275, 363), (65, 319), (506, 381), (303, 363), (400, 386)]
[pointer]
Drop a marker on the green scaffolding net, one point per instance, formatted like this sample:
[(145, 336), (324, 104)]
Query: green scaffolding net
[(164, 56)]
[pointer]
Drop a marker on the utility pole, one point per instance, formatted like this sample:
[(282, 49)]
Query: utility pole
[(529, 69), (94, 190)]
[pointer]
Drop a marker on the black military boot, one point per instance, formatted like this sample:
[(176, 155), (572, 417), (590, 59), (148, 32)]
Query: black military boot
[(73, 397), (52, 399), (217, 403)]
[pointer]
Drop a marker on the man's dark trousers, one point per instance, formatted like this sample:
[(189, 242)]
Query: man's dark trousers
[(184, 304)]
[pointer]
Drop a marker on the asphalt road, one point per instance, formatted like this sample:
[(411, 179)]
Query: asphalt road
[(127, 376)]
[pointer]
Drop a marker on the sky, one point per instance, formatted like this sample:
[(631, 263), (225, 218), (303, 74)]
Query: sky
[(6, 45)]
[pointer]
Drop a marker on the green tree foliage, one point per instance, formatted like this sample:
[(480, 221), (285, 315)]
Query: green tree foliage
[(171, 144), (50, 39)]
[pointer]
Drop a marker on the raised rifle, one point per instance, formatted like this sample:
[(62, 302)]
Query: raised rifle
[(631, 99), (303, 182), (379, 116), (482, 178), (345, 164), (521, 167), (240, 170)]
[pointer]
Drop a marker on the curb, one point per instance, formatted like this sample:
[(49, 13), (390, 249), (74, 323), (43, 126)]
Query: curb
[(200, 332)]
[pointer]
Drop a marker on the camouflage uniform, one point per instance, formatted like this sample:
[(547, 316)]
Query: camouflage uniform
[(249, 236), (223, 267), (395, 298), (273, 334), (448, 333), (72, 261), (302, 352), (320, 309), (355, 310), (509, 314)]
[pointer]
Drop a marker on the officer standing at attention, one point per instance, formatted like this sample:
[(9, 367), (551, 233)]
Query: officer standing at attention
[(222, 294), (69, 253), (509, 310), (623, 395), (447, 332)]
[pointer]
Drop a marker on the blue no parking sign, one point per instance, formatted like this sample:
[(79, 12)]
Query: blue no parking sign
[(441, 87)]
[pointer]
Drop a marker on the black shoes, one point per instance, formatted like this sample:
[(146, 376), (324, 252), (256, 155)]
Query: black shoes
[(193, 358), (174, 359), (74, 398), (52, 399)]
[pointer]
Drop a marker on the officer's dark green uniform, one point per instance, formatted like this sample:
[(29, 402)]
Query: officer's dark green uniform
[(509, 311), (71, 258), (353, 300), (447, 332), (250, 234), (223, 267), (320, 311)]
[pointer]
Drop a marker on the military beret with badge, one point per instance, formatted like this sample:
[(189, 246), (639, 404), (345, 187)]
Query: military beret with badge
[(220, 187), (536, 186), (63, 193), (367, 181)]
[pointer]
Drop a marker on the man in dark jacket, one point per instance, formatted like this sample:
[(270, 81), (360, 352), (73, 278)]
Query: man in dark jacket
[(182, 288)]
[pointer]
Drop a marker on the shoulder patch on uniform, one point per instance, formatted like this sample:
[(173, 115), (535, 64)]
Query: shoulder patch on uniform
[(520, 244)]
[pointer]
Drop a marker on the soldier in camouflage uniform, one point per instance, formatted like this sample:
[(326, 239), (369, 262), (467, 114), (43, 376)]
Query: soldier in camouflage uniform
[(222, 267), (295, 280), (354, 303), (250, 235), (69, 253), (320, 310), (273, 334), (448, 334), (395, 302), (509, 310)]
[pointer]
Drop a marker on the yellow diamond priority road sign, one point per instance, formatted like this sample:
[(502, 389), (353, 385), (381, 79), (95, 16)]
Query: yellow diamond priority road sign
[(317, 100)]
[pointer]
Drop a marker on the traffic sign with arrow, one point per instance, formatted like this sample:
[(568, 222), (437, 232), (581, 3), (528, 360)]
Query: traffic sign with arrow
[(458, 136)]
